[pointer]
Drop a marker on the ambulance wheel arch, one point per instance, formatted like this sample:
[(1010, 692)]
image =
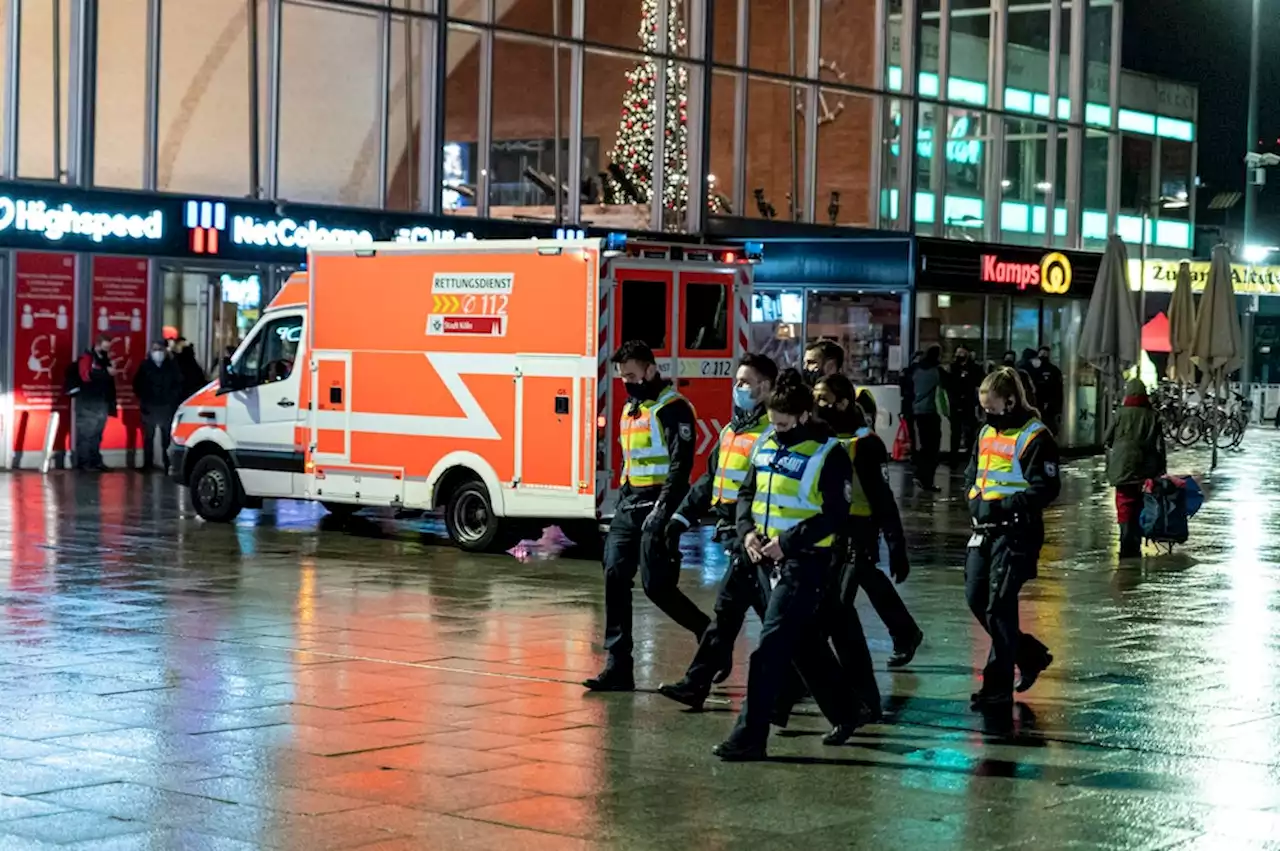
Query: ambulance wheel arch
[(467, 489), (213, 482)]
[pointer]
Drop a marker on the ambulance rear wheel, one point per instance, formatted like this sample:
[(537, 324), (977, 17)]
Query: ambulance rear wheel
[(469, 517), (216, 494)]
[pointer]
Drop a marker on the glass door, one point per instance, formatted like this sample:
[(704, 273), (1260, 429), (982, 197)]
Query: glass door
[(210, 308)]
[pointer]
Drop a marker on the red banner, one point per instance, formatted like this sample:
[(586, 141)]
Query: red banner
[(43, 346), (119, 310)]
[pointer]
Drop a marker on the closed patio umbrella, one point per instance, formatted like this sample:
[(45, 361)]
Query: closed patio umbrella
[(1216, 345), (1110, 338), (1182, 327)]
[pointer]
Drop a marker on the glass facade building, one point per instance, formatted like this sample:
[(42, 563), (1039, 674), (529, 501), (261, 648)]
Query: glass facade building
[(1026, 129)]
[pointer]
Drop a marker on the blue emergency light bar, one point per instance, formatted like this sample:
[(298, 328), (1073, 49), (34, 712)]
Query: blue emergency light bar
[(753, 250), (615, 242)]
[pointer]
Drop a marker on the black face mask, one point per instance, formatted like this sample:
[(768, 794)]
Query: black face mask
[(641, 390), (811, 376), (1001, 422), (792, 436)]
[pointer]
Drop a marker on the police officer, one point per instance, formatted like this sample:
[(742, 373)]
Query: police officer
[(717, 491), (874, 511), (1012, 478), (657, 436), (791, 507)]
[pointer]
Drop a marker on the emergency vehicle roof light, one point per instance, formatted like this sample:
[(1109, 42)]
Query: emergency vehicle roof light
[(753, 250), (615, 242)]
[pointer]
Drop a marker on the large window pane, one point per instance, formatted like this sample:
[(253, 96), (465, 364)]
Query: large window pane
[(329, 133), (950, 321), (1023, 185), (773, 136), (122, 75), (204, 97), (777, 325), (43, 89), (847, 42), (720, 126), (409, 37), (522, 162), (459, 167), (846, 139), (867, 326)]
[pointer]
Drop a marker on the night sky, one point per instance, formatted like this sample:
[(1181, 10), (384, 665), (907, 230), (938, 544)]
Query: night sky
[(1206, 42)]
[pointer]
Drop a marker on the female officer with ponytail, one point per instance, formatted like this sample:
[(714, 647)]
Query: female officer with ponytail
[(1012, 478), (792, 506)]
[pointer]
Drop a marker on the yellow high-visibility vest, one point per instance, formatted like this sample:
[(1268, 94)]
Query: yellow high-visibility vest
[(646, 461), (735, 459), (1000, 472), (859, 505), (787, 491)]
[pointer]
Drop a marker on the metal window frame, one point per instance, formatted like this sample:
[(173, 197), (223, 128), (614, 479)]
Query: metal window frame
[(275, 24), (997, 74), (875, 199), (657, 166), (12, 88), (484, 113), (151, 99), (1075, 130), (813, 68), (740, 104), (82, 93), (1051, 137), (384, 107), (941, 118), (1113, 136), (698, 110), (577, 62), (909, 58)]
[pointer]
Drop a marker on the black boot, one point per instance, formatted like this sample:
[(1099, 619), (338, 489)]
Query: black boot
[(685, 692), (612, 678), (905, 651)]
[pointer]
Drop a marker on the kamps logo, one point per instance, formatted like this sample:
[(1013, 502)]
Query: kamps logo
[(205, 220)]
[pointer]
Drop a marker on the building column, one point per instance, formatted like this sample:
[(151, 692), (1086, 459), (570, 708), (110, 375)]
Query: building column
[(1075, 131), (909, 55), (1113, 138), (577, 59), (1050, 176), (12, 88), (82, 95), (701, 46), (994, 177), (941, 121), (741, 57)]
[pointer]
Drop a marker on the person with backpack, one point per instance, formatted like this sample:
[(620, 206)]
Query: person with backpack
[(1135, 453), (95, 401), (1012, 478)]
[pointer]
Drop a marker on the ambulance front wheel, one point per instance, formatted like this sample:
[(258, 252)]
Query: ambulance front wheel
[(216, 494), (469, 517)]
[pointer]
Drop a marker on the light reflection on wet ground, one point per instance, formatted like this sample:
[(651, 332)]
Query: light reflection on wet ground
[(280, 683)]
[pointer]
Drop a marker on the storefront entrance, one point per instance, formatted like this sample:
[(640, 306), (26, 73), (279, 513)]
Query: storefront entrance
[(214, 306)]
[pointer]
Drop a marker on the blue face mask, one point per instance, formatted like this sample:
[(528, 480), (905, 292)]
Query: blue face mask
[(744, 399)]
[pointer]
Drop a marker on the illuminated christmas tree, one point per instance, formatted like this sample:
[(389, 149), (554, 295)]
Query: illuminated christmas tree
[(633, 150)]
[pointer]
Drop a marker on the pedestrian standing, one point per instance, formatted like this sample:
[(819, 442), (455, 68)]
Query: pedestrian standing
[(1012, 478), (657, 437), (822, 358), (791, 509), (926, 383), (717, 492), (873, 512), (1049, 388), (95, 403), (193, 376), (1135, 453), (158, 387), (963, 380)]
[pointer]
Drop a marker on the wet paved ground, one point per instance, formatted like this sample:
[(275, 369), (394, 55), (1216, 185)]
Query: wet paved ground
[(168, 684)]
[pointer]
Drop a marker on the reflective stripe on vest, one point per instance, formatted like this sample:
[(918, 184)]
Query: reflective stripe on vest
[(1000, 461), (787, 491), (646, 462), (735, 459), (859, 505)]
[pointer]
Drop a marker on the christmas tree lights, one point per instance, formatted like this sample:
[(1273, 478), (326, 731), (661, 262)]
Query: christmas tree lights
[(633, 150)]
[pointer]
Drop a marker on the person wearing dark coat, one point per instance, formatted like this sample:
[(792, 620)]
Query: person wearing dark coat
[(193, 377), (1135, 453), (1047, 379), (158, 386), (95, 402), (963, 380)]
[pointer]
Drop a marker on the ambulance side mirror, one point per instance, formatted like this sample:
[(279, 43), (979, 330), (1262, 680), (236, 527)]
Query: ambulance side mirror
[(228, 380)]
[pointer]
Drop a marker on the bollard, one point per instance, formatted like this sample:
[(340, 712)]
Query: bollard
[(50, 435)]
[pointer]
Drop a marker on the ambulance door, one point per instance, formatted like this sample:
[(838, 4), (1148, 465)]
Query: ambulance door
[(643, 310), (705, 347)]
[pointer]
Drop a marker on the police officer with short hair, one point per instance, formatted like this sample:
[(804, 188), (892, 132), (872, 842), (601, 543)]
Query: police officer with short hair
[(657, 437), (717, 491), (791, 508)]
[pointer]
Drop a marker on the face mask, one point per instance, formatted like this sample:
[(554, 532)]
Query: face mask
[(638, 390), (1035, 362), (744, 399), (791, 436), (1000, 421), (157, 358), (811, 376), (1044, 358)]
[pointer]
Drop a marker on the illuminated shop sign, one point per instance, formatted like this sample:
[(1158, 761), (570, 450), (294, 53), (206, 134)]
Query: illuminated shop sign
[(53, 222), (1052, 274)]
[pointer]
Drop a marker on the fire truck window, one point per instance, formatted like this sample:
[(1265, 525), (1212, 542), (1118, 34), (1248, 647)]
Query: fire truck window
[(706, 315), (645, 313)]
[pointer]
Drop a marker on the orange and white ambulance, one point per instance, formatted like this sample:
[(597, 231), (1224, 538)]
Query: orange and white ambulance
[(471, 377)]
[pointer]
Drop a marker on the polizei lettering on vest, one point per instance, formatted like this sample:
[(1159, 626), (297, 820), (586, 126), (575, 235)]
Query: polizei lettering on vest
[(1022, 274)]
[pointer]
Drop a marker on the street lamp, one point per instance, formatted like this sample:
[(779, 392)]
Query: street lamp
[(1150, 207)]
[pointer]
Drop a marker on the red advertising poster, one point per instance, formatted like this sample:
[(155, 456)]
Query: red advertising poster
[(43, 347), (119, 310)]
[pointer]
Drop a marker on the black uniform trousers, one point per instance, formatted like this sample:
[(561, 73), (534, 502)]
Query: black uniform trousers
[(929, 435), (964, 431), (626, 549), (881, 592), (994, 573), (791, 634), (739, 592)]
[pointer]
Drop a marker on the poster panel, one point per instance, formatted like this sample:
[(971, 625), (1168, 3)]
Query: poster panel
[(119, 310), (43, 348)]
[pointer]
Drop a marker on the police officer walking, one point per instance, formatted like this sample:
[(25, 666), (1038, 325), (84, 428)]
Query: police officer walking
[(1012, 478), (791, 507), (717, 491), (657, 437)]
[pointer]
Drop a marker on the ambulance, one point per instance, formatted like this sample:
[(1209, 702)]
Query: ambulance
[(468, 377)]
